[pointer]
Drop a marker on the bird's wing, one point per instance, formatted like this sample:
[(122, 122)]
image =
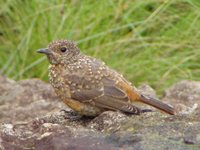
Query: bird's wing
[(106, 94)]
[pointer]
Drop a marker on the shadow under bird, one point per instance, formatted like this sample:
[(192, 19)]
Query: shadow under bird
[(89, 87)]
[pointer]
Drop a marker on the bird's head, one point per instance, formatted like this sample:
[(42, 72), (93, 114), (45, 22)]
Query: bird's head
[(60, 51)]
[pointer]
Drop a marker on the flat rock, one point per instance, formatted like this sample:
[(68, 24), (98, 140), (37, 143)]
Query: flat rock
[(31, 117)]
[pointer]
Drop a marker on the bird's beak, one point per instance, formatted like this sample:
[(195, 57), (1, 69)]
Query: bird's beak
[(44, 51)]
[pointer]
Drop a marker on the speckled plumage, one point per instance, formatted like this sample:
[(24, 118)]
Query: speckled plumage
[(87, 85)]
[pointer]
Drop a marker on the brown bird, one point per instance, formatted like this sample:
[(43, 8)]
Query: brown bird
[(88, 86)]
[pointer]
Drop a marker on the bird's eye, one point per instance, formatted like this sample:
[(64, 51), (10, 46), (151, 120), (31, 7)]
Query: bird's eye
[(63, 49)]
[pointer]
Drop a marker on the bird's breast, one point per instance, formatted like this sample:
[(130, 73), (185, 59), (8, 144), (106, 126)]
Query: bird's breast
[(57, 80)]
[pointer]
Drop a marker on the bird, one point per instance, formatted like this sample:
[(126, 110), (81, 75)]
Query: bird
[(89, 87)]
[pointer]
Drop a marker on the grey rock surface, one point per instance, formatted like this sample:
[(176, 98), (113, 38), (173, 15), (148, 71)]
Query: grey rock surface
[(185, 96), (31, 117)]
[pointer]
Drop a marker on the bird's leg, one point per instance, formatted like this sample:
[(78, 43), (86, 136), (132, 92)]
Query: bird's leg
[(71, 115), (139, 111), (146, 110)]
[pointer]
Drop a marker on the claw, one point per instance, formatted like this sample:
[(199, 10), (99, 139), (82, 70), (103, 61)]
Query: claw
[(146, 110), (71, 115)]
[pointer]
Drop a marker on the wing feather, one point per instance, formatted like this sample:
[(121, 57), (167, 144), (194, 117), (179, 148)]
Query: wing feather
[(100, 89)]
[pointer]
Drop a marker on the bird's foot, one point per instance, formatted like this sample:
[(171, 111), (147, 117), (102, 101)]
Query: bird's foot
[(71, 115), (146, 110), (139, 112)]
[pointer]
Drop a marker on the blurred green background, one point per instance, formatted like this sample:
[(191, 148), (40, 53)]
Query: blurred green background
[(149, 41)]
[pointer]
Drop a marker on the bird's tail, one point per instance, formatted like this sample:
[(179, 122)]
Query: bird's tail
[(157, 104)]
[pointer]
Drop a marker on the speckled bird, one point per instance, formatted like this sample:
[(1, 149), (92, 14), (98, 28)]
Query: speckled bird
[(88, 86)]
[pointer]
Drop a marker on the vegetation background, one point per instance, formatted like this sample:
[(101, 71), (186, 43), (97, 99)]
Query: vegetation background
[(151, 41)]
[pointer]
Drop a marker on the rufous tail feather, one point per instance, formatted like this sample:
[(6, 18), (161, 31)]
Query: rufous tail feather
[(157, 104)]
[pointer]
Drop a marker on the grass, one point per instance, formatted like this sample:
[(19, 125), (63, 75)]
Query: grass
[(154, 41)]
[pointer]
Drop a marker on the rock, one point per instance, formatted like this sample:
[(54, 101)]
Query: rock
[(147, 90), (31, 118), (52, 132), (27, 99), (192, 134), (187, 92), (107, 121), (185, 96)]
